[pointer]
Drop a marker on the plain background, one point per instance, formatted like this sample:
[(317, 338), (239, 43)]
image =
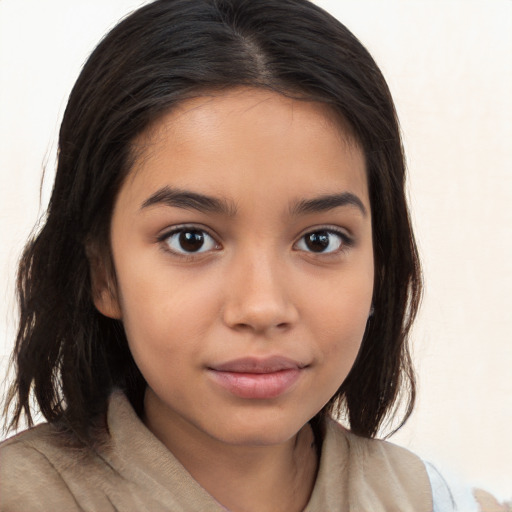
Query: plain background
[(449, 67)]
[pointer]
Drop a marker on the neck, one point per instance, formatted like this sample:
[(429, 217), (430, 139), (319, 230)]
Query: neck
[(243, 478)]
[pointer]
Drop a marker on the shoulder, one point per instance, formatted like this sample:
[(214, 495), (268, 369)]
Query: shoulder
[(29, 475), (404, 469), (369, 453), (38, 468), (32, 448), (370, 474)]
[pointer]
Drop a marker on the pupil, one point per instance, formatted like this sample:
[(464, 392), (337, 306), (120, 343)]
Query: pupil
[(191, 241), (318, 242)]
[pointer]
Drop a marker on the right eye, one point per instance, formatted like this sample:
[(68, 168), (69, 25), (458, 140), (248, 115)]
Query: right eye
[(189, 241)]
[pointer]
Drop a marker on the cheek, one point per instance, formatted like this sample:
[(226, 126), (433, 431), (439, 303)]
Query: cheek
[(165, 313), (339, 319), (340, 342), (338, 349), (158, 340)]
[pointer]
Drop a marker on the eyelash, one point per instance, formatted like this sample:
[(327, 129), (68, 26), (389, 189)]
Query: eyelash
[(165, 237), (345, 241)]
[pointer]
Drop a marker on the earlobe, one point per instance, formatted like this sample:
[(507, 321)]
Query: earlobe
[(104, 293), (106, 303)]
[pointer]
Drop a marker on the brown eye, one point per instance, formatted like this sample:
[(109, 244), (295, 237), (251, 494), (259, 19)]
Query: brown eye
[(186, 241), (322, 241), (317, 242)]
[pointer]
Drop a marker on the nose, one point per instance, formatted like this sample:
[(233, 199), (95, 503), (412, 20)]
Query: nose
[(258, 297)]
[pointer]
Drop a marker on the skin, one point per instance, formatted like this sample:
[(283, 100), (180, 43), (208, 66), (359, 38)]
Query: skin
[(255, 289)]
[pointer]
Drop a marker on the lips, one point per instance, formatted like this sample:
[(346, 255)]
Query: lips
[(255, 378)]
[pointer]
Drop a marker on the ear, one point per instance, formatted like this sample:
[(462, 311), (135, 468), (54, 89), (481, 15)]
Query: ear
[(104, 290)]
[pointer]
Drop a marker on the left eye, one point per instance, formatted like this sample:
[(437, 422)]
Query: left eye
[(187, 241), (323, 241)]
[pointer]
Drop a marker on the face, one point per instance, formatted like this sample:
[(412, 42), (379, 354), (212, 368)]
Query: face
[(242, 247)]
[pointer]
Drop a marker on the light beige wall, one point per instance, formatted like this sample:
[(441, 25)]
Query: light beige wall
[(449, 66)]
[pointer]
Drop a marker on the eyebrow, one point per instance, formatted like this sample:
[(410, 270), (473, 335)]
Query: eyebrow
[(178, 198), (327, 202)]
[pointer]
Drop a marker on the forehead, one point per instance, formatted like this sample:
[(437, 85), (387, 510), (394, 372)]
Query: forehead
[(252, 104), (237, 140)]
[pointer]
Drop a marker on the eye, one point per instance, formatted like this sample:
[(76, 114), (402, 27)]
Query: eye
[(189, 241), (323, 241)]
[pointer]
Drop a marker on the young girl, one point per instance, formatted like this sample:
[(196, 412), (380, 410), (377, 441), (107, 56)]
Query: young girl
[(226, 264)]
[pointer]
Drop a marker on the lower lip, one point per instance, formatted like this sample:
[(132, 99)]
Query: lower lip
[(257, 385)]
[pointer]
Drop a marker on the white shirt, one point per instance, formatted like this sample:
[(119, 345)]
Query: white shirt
[(449, 496)]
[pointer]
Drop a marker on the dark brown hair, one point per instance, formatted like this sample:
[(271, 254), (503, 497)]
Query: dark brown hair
[(70, 356)]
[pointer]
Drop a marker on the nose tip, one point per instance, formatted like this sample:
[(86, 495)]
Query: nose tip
[(258, 319), (259, 303)]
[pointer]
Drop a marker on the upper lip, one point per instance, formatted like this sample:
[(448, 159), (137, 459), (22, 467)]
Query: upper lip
[(258, 365)]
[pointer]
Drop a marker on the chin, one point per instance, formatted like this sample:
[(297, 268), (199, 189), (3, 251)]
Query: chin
[(259, 431), (257, 438)]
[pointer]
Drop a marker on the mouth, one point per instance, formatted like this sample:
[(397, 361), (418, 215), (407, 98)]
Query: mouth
[(255, 378)]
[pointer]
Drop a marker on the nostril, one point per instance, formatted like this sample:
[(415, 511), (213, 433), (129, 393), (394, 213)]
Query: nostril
[(259, 313), (241, 326)]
